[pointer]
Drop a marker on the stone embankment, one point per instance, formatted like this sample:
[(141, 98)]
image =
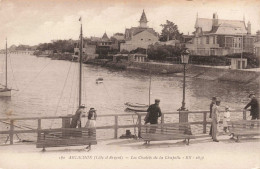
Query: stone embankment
[(194, 71)]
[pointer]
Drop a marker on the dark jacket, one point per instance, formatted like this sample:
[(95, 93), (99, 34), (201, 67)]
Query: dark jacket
[(154, 112), (76, 118), (254, 108), (210, 109)]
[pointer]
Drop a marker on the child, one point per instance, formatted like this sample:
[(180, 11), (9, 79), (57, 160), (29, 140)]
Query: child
[(226, 119)]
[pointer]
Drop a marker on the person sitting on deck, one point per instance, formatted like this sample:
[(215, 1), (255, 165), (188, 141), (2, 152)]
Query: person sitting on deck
[(76, 119), (254, 112)]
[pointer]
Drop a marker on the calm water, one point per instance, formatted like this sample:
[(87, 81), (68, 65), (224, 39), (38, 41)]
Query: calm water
[(50, 87)]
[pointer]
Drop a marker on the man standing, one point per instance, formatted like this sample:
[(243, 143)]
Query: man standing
[(154, 112), (254, 112), (215, 120), (76, 118), (213, 102)]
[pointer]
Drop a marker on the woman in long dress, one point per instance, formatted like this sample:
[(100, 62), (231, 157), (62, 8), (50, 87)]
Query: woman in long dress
[(215, 120), (91, 123)]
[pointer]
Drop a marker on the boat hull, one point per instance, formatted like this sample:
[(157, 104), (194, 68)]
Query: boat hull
[(136, 107)]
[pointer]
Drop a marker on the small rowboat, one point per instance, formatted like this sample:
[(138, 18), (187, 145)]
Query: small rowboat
[(136, 107), (99, 80)]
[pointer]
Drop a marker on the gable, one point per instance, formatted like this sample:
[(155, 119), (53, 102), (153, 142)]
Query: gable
[(145, 33), (223, 27)]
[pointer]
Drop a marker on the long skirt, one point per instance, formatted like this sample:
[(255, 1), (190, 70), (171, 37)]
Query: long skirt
[(214, 130), (91, 125)]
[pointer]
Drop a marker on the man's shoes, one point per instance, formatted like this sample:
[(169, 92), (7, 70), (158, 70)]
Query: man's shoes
[(215, 140)]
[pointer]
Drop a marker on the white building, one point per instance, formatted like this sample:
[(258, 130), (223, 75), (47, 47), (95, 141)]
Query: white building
[(139, 37)]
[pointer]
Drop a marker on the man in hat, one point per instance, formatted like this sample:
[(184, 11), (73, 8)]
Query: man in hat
[(254, 112), (215, 120), (213, 102), (76, 119), (154, 112)]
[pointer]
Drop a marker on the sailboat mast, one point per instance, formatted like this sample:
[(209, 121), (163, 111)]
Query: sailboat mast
[(80, 64), (6, 64)]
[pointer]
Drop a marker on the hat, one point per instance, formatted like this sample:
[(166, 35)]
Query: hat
[(82, 106), (218, 101), (251, 94), (157, 100), (92, 109), (214, 98), (227, 107)]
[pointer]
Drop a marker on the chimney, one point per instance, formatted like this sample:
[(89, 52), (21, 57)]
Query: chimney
[(215, 19), (249, 28)]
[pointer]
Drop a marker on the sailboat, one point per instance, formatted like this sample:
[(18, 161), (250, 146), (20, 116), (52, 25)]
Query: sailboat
[(67, 135), (138, 107), (5, 92)]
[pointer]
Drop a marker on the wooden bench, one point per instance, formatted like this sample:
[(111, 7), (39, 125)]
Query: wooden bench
[(169, 131), (244, 128), (63, 137)]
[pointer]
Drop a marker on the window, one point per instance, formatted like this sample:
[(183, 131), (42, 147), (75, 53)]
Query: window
[(228, 42), (207, 39)]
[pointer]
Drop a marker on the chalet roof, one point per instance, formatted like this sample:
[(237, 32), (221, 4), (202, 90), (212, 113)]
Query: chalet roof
[(105, 37), (223, 27), (228, 29), (143, 18), (136, 30), (119, 37)]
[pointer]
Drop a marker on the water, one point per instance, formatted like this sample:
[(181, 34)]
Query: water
[(50, 87)]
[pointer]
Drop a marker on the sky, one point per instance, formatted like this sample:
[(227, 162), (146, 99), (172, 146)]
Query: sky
[(31, 22)]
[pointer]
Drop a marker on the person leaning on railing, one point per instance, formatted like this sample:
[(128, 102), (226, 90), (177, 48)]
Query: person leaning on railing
[(254, 104), (153, 113), (76, 118)]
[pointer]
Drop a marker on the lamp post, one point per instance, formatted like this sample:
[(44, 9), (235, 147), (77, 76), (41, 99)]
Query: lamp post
[(184, 60)]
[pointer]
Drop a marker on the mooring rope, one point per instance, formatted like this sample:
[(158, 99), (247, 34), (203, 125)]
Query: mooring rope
[(35, 77), (62, 91)]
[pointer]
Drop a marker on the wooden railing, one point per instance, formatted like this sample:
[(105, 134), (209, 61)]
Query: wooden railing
[(66, 121)]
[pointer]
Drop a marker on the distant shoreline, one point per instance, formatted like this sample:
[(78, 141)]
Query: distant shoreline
[(193, 71)]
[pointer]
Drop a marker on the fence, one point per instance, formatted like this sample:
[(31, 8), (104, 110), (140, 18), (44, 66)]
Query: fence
[(65, 121)]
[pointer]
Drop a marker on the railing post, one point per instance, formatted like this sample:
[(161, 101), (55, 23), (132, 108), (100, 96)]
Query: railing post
[(204, 122), (39, 123), (11, 133), (244, 114), (116, 127), (39, 127), (139, 125)]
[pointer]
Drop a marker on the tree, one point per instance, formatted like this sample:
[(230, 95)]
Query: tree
[(170, 31)]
